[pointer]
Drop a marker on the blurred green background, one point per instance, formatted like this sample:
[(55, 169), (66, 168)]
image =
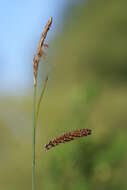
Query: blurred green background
[(87, 88)]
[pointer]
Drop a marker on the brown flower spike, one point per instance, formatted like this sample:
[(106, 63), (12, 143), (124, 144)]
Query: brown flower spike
[(68, 137), (40, 51)]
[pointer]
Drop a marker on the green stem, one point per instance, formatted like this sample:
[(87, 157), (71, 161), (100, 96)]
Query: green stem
[(35, 117), (33, 137)]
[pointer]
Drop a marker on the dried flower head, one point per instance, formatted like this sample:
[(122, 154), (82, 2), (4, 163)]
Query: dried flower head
[(40, 51), (68, 137)]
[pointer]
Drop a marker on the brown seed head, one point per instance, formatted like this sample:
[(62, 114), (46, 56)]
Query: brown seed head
[(68, 137)]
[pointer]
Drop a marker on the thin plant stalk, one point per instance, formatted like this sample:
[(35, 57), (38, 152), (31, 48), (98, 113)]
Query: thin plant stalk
[(33, 137), (39, 54), (35, 119)]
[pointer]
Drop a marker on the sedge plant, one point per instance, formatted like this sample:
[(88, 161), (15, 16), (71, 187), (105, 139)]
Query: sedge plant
[(66, 137), (36, 102)]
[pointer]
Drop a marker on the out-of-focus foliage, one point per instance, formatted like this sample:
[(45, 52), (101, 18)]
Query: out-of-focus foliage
[(87, 89)]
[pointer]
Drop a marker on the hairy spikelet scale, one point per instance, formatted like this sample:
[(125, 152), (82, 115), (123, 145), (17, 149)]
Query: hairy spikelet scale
[(68, 137)]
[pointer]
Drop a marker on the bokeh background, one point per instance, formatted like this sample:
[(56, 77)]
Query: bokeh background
[(87, 88)]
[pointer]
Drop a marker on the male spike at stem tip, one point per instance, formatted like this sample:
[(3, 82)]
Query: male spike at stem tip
[(40, 52)]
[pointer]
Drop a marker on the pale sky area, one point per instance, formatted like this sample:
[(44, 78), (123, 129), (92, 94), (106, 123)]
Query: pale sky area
[(21, 27)]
